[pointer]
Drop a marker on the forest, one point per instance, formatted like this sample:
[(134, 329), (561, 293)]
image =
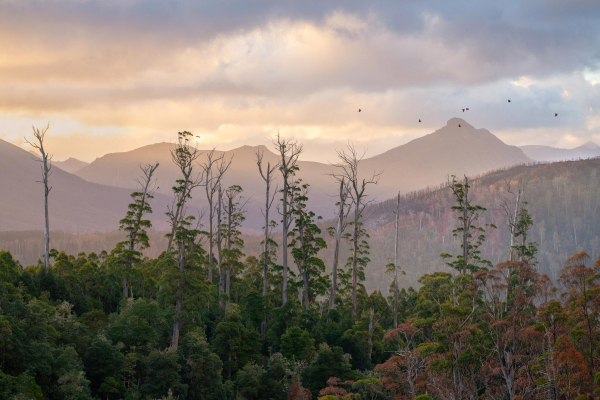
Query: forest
[(204, 320)]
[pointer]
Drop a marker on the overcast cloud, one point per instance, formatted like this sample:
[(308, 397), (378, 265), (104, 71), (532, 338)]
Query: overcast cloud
[(115, 75)]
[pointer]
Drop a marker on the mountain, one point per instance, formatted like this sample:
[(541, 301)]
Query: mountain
[(564, 206), (547, 153), (71, 165), (75, 204), (420, 163)]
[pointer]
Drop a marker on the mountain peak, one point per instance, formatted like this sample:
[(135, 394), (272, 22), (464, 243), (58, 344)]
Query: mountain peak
[(454, 122), (589, 145)]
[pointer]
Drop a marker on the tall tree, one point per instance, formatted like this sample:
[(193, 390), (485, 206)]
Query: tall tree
[(472, 235), (135, 225), (289, 151), (268, 177), (184, 156), (349, 171), (511, 208), (337, 232), (397, 212), (232, 254), (213, 169), (46, 166), (306, 244)]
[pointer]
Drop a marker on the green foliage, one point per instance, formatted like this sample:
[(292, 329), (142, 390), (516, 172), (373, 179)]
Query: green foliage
[(330, 361), (296, 344)]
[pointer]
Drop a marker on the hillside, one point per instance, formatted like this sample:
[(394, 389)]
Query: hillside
[(75, 204), (71, 165), (547, 153), (564, 206), (420, 163)]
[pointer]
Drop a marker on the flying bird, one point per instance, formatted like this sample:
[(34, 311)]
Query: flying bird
[(419, 120), (459, 125), (359, 110), (556, 114), (467, 109), (509, 100), (463, 110)]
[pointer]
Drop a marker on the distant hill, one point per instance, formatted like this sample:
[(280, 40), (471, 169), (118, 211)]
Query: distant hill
[(564, 206), (420, 163), (71, 165), (547, 153), (75, 204)]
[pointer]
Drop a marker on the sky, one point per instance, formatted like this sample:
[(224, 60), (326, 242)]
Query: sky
[(114, 75)]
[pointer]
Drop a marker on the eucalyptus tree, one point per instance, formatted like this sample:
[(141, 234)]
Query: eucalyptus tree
[(213, 170), (349, 170), (46, 165), (472, 235), (268, 177), (232, 254), (289, 151), (344, 209), (306, 244), (135, 224), (184, 156)]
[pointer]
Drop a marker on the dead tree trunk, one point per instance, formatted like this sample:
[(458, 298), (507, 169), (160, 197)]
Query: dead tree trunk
[(46, 162), (289, 151), (396, 265), (213, 170), (349, 170), (341, 226), (267, 176), (219, 238)]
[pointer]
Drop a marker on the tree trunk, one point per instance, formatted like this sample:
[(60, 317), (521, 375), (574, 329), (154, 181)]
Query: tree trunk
[(263, 325), (219, 246), (355, 258), (179, 301), (228, 270), (465, 228), (396, 265), (210, 242), (47, 225), (284, 243), (336, 254)]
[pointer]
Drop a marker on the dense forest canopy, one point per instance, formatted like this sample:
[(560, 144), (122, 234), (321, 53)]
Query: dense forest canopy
[(499, 299)]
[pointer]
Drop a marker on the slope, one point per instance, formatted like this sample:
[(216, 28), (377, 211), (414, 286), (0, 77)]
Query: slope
[(75, 204)]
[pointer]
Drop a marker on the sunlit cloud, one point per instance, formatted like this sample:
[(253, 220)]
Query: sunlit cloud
[(116, 75)]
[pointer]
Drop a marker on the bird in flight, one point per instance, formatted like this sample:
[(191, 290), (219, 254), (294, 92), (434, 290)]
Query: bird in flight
[(463, 110), (467, 109), (419, 120), (556, 114), (459, 125), (359, 110), (509, 100)]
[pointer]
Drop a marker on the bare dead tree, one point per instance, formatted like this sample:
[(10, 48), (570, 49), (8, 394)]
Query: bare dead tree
[(46, 165), (511, 208), (184, 156), (289, 151), (213, 171), (219, 242), (267, 176), (342, 223), (348, 167)]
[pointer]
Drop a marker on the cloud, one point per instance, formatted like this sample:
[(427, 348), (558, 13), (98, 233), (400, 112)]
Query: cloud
[(121, 74)]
